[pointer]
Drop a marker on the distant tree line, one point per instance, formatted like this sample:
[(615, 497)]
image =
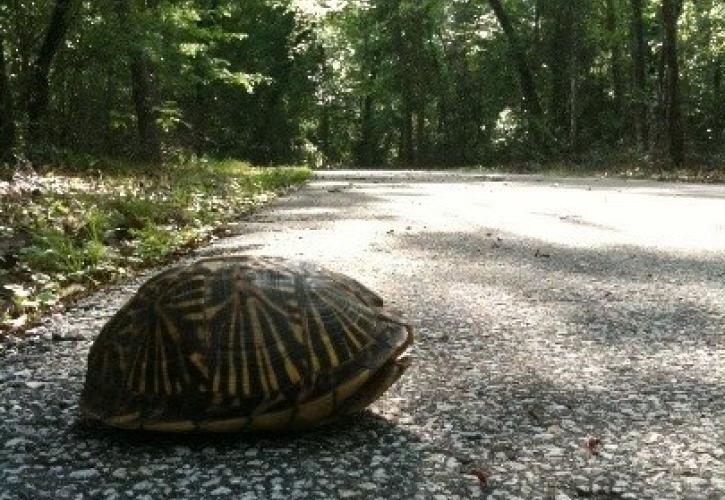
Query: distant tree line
[(362, 82)]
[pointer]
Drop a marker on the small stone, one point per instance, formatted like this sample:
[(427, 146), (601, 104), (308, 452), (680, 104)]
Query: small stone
[(12, 443), (181, 450), (380, 473), (221, 490), (34, 384), (84, 474), (695, 482), (110, 493), (120, 473), (562, 496), (348, 493), (143, 485), (452, 463), (544, 436), (554, 451), (652, 438)]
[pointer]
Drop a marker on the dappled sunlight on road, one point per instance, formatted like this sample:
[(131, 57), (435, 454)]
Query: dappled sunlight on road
[(581, 216)]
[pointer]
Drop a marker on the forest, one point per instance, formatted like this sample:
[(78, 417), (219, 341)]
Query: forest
[(365, 83)]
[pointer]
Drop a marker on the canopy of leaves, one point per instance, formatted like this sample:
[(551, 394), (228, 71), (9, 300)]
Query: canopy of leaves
[(361, 82)]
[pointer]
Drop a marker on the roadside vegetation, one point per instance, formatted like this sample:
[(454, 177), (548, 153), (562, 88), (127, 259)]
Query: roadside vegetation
[(63, 234)]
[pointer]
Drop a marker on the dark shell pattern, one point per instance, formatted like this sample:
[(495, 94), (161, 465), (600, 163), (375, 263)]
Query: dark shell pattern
[(243, 343)]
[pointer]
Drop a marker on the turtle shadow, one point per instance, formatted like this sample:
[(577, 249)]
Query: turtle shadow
[(359, 448), (349, 427)]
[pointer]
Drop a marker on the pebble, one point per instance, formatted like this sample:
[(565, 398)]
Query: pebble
[(120, 473), (84, 474), (143, 485), (12, 443), (221, 490)]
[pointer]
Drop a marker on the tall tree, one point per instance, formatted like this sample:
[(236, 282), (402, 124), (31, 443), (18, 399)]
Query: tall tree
[(673, 113), (639, 50), (530, 102), (141, 86), (7, 118), (617, 73), (561, 63), (38, 91)]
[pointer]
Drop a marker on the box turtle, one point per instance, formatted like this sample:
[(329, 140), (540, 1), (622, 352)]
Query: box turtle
[(243, 343)]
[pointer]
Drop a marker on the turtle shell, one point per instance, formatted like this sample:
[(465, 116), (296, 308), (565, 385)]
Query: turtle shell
[(243, 343)]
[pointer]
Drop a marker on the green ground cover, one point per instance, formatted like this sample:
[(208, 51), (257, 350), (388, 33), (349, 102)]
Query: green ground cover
[(65, 233)]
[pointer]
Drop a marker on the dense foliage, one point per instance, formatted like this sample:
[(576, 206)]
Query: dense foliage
[(363, 82), (62, 235)]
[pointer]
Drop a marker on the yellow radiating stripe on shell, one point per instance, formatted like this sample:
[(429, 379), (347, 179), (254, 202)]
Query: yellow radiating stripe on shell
[(184, 304), (258, 341), (269, 303), (127, 421), (349, 325), (217, 382), (298, 332), (179, 426), (164, 366), (352, 385), (173, 332), (157, 359), (271, 421), (197, 359), (197, 316), (132, 371), (268, 372), (325, 337), (144, 364), (347, 335), (166, 378), (292, 372), (315, 410), (271, 373), (212, 311), (232, 385), (121, 358), (228, 425)]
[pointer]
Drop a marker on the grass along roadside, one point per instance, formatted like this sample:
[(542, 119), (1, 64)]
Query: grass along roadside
[(63, 235)]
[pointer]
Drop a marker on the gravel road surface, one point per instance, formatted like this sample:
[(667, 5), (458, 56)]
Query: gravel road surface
[(570, 344)]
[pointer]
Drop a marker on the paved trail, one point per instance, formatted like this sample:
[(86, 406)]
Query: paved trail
[(570, 344)]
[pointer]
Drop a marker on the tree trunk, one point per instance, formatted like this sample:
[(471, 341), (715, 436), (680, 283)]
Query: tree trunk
[(560, 57), (420, 141), (718, 109), (7, 118), (639, 94), (616, 57), (530, 104), (407, 148), (574, 106), (366, 144), (323, 133), (537, 22), (141, 91), (675, 132), (38, 97)]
